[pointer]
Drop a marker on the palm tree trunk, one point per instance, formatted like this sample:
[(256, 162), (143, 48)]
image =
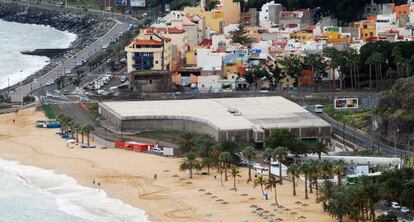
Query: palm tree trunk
[(306, 186), (221, 178), (294, 185), (250, 172), (208, 169), (77, 136), (277, 204), (234, 183), (225, 172), (82, 137), (310, 185), (261, 186), (339, 181), (333, 78), (87, 138), (317, 189), (191, 171)]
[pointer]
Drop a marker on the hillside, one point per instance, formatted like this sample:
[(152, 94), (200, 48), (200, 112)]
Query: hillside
[(396, 111)]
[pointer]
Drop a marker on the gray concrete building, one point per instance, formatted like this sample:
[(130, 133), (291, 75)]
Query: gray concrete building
[(239, 119)]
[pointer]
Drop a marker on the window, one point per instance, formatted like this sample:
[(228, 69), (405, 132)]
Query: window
[(156, 62)]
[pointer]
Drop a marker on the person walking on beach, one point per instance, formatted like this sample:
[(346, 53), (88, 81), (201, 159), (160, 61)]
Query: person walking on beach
[(93, 182), (155, 176), (99, 186)]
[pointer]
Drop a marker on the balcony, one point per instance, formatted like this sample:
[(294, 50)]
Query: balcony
[(143, 66), (143, 58)]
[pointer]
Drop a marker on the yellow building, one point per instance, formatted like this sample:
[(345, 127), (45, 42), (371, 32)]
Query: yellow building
[(191, 56), (232, 68), (148, 51), (214, 19), (333, 37), (366, 28), (302, 36)]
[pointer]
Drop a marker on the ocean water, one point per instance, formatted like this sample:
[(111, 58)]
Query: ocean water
[(33, 194), (17, 37)]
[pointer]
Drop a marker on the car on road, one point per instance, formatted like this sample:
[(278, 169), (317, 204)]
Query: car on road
[(158, 150), (84, 99), (318, 108), (405, 210), (105, 46), (395, 205), (65, 92), (50, 82)]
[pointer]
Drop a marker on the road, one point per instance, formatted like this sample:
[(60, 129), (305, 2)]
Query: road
[(122, 23), (362, 139)]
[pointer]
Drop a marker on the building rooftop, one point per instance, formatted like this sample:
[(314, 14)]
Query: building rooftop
[(147, 42), (223, 113)]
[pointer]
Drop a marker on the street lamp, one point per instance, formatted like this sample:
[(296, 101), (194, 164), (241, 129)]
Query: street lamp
[(395, 142)]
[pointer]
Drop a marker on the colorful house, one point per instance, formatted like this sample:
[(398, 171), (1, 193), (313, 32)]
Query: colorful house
[(214, 19), (402, 10), (367, 29)]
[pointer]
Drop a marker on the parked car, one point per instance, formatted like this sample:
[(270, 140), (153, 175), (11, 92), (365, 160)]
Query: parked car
[(158, 150), (405, 210), (318, 108), (65, 92), (395, 205)]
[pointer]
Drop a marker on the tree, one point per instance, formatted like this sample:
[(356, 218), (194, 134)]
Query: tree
[(292, 66), (316, 64), (327, 191), (339, 170), (190, 163), (339, 205), (280, 154), (187, 141), (240, 35), (285, 138), (332, 54), (60, 118), (205, 147), (230, 146), (225, 159), (267, 156), (305, 168), (271, 183), (294, 171), (77, 127), (249, 153), (259, 181), (87, 129), (234, 172), (318, 148)]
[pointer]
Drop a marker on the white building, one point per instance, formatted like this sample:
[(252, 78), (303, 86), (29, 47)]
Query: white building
[(269, 13), (209, 61)]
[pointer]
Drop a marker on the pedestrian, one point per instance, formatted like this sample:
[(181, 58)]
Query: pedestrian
[(93, 181), (14, 121), (99, 186), (215, 177), (155, 176)]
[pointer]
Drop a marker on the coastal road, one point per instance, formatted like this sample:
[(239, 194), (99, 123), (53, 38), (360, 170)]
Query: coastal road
[(360, 138), (69, 64)]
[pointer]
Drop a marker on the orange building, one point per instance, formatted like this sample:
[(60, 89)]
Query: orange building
[(306, 78), (402, 10)]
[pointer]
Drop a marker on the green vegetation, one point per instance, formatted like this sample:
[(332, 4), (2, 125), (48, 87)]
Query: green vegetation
[(358, 118), (49, 111), (240, 35), (94, 110)]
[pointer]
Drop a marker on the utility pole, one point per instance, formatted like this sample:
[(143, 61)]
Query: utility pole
[(395, 142)]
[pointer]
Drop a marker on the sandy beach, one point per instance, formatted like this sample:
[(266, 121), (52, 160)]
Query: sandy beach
[(129, 176)]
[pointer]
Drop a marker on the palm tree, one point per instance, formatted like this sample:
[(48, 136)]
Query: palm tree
[(327, 191), (370, 61), (326, 169), (204, 150), (319, 148), (77, 127), (339, 205), (220, 171), (87, 129), (249, 153), (260, 180), (234, 172), (332, 54), (60, 118), (314, 176), (190, 163), (267, 156), (294, 171), (271, 183), (280, 154), (339, 170), (225, 159), (305, 168), (187, 142)]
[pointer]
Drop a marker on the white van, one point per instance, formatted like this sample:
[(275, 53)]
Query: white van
[(318, 108)]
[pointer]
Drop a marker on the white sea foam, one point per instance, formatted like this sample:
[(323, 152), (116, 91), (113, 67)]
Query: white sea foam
[(71, 198), (17, 37)]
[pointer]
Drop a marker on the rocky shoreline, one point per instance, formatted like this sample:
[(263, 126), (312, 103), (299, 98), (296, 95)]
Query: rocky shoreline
[(88, 28)]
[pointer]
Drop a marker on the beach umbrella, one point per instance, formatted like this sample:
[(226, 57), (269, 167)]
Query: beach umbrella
[(302, 218), (279, 219), (298, 202), (259, 209), (273, 204), (208, 193), (252, 198), (213, 197), (287, 210), (305, 205), (220, 200), (175, 176), (266, 212), (225, 203), (244, 194), (253, 206), (293, 213), (201, 190), (271, 215), (280, 207)]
